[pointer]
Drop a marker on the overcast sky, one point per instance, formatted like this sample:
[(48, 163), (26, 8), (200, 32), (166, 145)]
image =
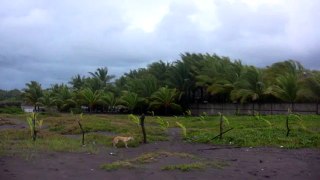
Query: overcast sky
[(52, 40)]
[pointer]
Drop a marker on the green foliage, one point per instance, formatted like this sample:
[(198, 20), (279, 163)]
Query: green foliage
[(165, 97), (163, 123), (11, 110), (38, 123), (225, 119), (130, 100), (195, 166), (183, 129), (185, 167), (248, 132), (188, 112), (143, 159), (90, 97), (258, 117), (298, 119), (33, 93), (134, 119), (117, 165)]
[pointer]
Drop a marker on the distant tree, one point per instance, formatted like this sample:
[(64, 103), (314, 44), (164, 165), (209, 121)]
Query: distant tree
[(250, 86), (311, 83), (166, 98), (215, 75), (130, 100), (109, 100), (47, 100), (90, 97), (32, 93), (286, 88), (63, 97), (10, 95), (77, 82), (160, 71), (102, 77)]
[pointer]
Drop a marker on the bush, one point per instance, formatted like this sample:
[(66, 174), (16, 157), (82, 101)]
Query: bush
[(11, 110)]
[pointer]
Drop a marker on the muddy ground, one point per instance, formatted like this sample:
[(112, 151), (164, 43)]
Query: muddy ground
[(240, 163)]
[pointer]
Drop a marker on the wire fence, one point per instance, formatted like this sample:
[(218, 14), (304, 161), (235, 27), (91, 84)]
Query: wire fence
[(251, 108)]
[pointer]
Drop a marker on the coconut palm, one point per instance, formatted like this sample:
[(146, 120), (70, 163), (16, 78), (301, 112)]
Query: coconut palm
[(101, 74), (33, 93), (286, 88), (130, 100), (109, 100), (311, 83), (144, 86), (219, 75), (63, 97), (160, 71), (281, 69), (77, 82), (250, 86), (90, 97), (47, 100), (165, 97)]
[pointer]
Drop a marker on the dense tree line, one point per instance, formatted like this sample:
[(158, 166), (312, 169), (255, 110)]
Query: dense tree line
[(172, 87)]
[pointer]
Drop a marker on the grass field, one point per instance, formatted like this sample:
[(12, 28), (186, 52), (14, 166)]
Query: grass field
[(57, 132)]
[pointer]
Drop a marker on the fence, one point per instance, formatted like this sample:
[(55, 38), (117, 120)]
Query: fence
[(250, 108)]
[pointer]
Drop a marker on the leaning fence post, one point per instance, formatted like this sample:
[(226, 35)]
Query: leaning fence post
[(143, 129), (221, 125)]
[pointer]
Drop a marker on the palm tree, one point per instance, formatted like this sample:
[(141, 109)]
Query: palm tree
[(77, 82), (110, 100), (130, 100), (166, 98), (249, 86), (63, 97), (160, 71), (33, 93), (281, 69), (144, 86), (101, 74), (219, 75), (180, 77), (311, 83), (47, 100), (91, 98), (286, 88)]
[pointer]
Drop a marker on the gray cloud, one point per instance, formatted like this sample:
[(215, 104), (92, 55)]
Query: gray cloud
[(51, 41)]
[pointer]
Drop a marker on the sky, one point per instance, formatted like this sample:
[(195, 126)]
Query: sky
[(51, 41)]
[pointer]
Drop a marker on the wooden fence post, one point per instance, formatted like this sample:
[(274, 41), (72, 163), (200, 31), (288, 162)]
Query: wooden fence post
[(143, 129)]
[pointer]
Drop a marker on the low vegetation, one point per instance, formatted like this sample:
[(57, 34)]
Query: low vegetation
[(62, 133), (195, 166), (144, 159)]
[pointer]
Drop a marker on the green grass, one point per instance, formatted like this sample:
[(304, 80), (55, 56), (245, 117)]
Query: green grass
[(185, 167), (19, 142), (11, 110), (144, 159), (195, 166), (248, 131)]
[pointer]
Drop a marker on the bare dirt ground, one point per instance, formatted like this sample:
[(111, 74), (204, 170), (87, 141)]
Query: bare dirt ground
[(242, 163)]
